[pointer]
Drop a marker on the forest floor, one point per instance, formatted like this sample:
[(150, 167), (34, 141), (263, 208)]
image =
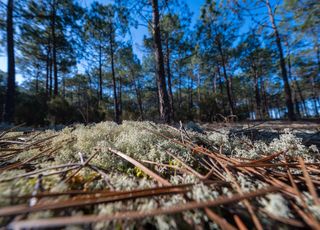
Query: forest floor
[(145, 175), (308, 130)]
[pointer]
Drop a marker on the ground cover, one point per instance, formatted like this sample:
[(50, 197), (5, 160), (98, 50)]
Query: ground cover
[(141, 175)]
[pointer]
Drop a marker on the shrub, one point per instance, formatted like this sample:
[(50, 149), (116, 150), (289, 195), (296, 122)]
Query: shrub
[(60, 111), (31, 109)]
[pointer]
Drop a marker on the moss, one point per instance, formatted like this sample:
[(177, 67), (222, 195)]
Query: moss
[(276, 205), (134, 139)]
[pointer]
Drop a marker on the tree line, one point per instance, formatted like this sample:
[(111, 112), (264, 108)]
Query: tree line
[(240, 59)]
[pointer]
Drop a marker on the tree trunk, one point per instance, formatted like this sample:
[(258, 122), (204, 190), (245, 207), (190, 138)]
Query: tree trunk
[(265, 107), (190, 101), (9, 103), (287, 88), (257, 91), (47, 69), (314, 96), (214, 84), (229, 94), (54, 48), (164, 105), (199, 95), (180, 89), (257, 98), (50, 76), (37, 81), (169, 77), (100, 72), (221, 91), (214, 93), (296, 102), (297, 86), (114, 83), (301, 97), (63, 87), (138, 95), (120, 98)]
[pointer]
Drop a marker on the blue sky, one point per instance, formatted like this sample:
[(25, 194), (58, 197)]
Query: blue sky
[(137, 34)]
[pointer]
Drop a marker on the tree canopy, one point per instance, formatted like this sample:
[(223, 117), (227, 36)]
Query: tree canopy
[(239, 60)]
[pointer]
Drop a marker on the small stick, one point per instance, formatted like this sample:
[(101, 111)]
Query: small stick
[(239, 223), (11, 129), (81, 167), (309, 183)]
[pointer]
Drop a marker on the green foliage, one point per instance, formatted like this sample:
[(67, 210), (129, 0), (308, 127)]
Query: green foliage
[(60, 111), (31, 109), (228, 57)]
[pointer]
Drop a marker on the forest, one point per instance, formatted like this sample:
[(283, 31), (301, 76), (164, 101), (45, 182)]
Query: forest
[(159, 114), (78, 61)]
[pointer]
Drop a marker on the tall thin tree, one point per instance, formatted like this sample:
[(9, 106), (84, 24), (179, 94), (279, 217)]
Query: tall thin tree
[(9, 103), (283, 68), (164, 104)]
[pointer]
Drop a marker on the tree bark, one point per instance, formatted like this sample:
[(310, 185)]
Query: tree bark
[(257, 98), (190, 95), (296, 87), (48, 68), (221, 90), (54, 48), (120, 98), (164, 105), (50, 76), (257, 91), (199, 95), (169, 77), (265, 107), (180, 84), (214, 84), (37, 81), (10, 95), (138, 95), (114, 83), (284, 74), (314, 96), (100, 72), (229, 94)]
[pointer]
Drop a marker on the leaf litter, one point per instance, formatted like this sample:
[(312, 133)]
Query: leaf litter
[(145, 175)]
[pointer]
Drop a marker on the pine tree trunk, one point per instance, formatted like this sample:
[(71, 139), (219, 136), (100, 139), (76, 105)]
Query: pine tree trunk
[(164, 105), (100, 72), (199, 95), (265, 107), (180, 90), (257, 91), (63, 87), (257, 98), (214, 84), (37, 81), (114, 83), (169, 77), (190, 102), (221, 91), (296, 103), (314, 96), (287, 88), (54, 48), (50, 76), (138, 94), (229, 94), (10, 95), (47, 69), (120, 98)]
